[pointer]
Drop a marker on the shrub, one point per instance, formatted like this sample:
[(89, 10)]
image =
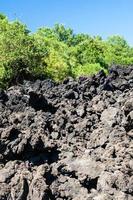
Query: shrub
[(18, 52), (88, 69)]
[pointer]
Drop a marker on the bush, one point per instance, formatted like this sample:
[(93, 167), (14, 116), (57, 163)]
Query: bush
[(88, 69), (18, 51)]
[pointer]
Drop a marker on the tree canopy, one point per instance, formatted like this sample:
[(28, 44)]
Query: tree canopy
[(56, 52)]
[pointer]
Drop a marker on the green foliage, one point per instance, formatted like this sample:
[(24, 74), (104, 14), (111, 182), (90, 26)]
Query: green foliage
[(118, 51), (56, 60), (18, 52), (90, 51), (2, 16), (55, 57), (63, 34), (56, 52), (88, 69)]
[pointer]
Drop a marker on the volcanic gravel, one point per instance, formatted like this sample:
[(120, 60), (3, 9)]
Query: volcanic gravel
[(68, 141)]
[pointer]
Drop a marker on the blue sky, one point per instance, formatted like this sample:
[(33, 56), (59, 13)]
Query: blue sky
[(95, 17)]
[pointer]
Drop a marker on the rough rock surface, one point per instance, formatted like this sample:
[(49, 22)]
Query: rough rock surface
[(70, 141)]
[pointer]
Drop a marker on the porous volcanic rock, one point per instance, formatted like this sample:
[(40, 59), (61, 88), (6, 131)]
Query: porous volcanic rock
[(70, 141)]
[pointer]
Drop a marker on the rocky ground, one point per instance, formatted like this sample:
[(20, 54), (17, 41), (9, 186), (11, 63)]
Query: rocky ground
[(70, 141)]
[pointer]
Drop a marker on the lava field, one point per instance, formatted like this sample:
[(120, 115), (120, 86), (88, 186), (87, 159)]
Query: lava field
[(68, 141)]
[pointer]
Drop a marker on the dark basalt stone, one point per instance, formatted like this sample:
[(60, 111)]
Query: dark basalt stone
[(68, 141)]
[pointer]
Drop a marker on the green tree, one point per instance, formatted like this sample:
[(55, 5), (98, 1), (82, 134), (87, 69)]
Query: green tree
[(90, 51), (118, 51), (56, 52), (19, 54), (63, 34)]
